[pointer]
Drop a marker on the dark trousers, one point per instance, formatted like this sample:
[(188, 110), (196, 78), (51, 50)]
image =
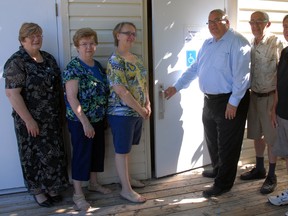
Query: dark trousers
[(88, 153), (224, 137)]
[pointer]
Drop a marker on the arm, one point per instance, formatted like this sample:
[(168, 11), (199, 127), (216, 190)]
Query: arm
[(148, 104), (240, 73), (275, 102), (188, 76), (71, 87), (20, 107), (126, 96), (15, 80), (183, 82), (240, 67), (273, 110)]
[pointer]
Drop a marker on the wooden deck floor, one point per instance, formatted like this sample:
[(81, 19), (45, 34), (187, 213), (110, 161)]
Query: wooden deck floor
[(177, 195)]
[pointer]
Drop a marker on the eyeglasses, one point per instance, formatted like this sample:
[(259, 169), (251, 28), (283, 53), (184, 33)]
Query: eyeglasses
[(216, 21), (86, 45), (128, 33), (257, 22), (34, 36)]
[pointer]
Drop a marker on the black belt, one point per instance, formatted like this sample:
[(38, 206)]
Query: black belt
[(216, 96), (264, 94)]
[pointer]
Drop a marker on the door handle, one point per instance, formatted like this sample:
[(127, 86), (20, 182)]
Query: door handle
[(161, 101)]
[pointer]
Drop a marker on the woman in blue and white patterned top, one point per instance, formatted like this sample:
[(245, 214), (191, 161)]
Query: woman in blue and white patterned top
[(86, 92)]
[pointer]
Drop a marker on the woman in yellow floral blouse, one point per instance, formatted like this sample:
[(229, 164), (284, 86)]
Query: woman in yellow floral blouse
[(128, 104)]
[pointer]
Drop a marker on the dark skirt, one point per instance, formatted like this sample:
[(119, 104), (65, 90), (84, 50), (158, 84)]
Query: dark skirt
[(43, 159)]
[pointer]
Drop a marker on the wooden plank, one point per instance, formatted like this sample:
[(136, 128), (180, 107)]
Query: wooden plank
[(175, 195), (106, 1), (104, 10), (103, 23)]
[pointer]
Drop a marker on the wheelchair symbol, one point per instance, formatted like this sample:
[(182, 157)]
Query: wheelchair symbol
[(190, 57)]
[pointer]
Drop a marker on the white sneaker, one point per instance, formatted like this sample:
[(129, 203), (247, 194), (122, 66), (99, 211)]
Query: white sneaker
[(281, 199), (286, 214)]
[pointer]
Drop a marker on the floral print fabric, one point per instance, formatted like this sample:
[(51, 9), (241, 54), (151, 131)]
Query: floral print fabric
[(92, 93), (133, 77), (42, 157)]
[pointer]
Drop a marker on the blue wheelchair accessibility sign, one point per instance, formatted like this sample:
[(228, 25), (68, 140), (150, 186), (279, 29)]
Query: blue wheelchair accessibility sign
[(190, 57)]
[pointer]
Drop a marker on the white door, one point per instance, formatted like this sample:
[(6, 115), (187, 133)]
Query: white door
[(12, 14), (178, 29)]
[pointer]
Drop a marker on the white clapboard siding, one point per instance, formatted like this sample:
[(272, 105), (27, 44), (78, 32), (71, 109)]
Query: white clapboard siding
[(102, 16), (276, 10)]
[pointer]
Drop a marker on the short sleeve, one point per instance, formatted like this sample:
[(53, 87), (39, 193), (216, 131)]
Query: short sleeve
[(71, 72), (14, 74), (116, 71)]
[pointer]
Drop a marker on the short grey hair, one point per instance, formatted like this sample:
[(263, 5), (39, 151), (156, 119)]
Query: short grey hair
[(266, 16), (221, 12)]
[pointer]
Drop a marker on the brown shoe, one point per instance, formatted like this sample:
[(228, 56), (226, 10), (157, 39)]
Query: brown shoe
[(253, 174), (269, 185), (210, 173), (214, 191)]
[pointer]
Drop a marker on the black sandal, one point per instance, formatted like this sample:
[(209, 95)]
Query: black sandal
[(47, 203)]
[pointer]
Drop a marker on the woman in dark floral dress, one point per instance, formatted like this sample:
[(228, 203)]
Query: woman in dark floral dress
[(33, 86)]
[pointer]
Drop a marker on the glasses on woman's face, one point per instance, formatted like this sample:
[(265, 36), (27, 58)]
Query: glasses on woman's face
[(86, 45), (129, 33), (35, 36)]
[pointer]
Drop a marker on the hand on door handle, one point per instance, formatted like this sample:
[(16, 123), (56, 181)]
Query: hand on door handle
[(169, 92)]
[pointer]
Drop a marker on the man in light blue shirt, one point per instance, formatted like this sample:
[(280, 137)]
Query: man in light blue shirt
[(223, 69)]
